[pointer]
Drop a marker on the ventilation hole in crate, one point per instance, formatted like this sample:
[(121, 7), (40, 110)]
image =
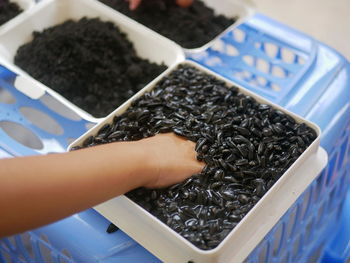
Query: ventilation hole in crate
[(292, 222), (254, 82), (27, 243), (21, 134), (271, 49), (66, 257), (45, 251), (308, 230), (64, 260), (305, 204), (277, 239), (6, 257), (316, 255), (262, 65), (331, 199), (288, 56), (296, 249), (278, 72), (6, 97), (199, 56), (301, 60), (237, 74), (243, 75), (285, 259), (41, 120), (59, 107), (262, 81), (347, 153), (239, 35), (319, 185), (12, 242), (89, 125), (342, 156), (247, 75), (257, 45), (231, 50), (44, 238), (249, 60), (344, 183), (213, 61), (275, 87), (218, 45), (320, 214), (263, 254), (331, 170)]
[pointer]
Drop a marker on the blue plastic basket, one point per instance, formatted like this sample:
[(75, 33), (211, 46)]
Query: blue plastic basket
[(275, 61), (265, 56)]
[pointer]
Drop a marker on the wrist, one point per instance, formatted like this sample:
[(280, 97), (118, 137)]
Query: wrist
[(146, 168)]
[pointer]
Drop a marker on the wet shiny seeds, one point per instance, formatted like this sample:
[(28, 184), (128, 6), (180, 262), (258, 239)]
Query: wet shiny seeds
[(246, 146)]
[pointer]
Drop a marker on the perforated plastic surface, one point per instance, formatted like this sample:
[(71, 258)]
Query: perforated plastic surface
[(43, 125), (285, 66)]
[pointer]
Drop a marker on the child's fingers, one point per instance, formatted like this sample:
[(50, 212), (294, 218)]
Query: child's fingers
[(184, 3), (133, 4)]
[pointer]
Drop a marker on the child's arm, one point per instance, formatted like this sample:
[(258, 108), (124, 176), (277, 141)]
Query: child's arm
[(38, 190)]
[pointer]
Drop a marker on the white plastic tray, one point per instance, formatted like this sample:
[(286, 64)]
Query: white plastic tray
[(243, 9), (48, 13), (169, 246), (24, 5)]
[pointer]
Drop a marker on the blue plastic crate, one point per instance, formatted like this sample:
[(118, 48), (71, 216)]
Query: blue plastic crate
[(309, 79), (275, 61)]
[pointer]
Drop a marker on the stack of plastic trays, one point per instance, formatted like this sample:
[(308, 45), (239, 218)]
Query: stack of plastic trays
[(300, 74)]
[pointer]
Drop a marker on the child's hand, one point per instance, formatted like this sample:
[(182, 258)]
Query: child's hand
[(171, 159), (133, 4)]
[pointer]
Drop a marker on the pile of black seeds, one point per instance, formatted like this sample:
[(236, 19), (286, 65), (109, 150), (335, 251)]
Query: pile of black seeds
[(190, 27), (8, 11), (90, 62), (246, 146)]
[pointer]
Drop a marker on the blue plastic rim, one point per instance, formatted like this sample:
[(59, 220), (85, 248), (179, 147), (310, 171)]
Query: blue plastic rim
[(270, 59)]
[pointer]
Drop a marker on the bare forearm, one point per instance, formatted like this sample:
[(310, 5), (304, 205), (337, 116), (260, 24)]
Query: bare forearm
[(38, 190)]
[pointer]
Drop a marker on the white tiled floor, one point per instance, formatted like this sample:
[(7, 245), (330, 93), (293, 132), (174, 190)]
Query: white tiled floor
[(325, 20)]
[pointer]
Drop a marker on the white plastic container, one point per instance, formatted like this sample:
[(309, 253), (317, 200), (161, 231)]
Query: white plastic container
[(24, 5), (48, 13), (169, 246), (241, 9)]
